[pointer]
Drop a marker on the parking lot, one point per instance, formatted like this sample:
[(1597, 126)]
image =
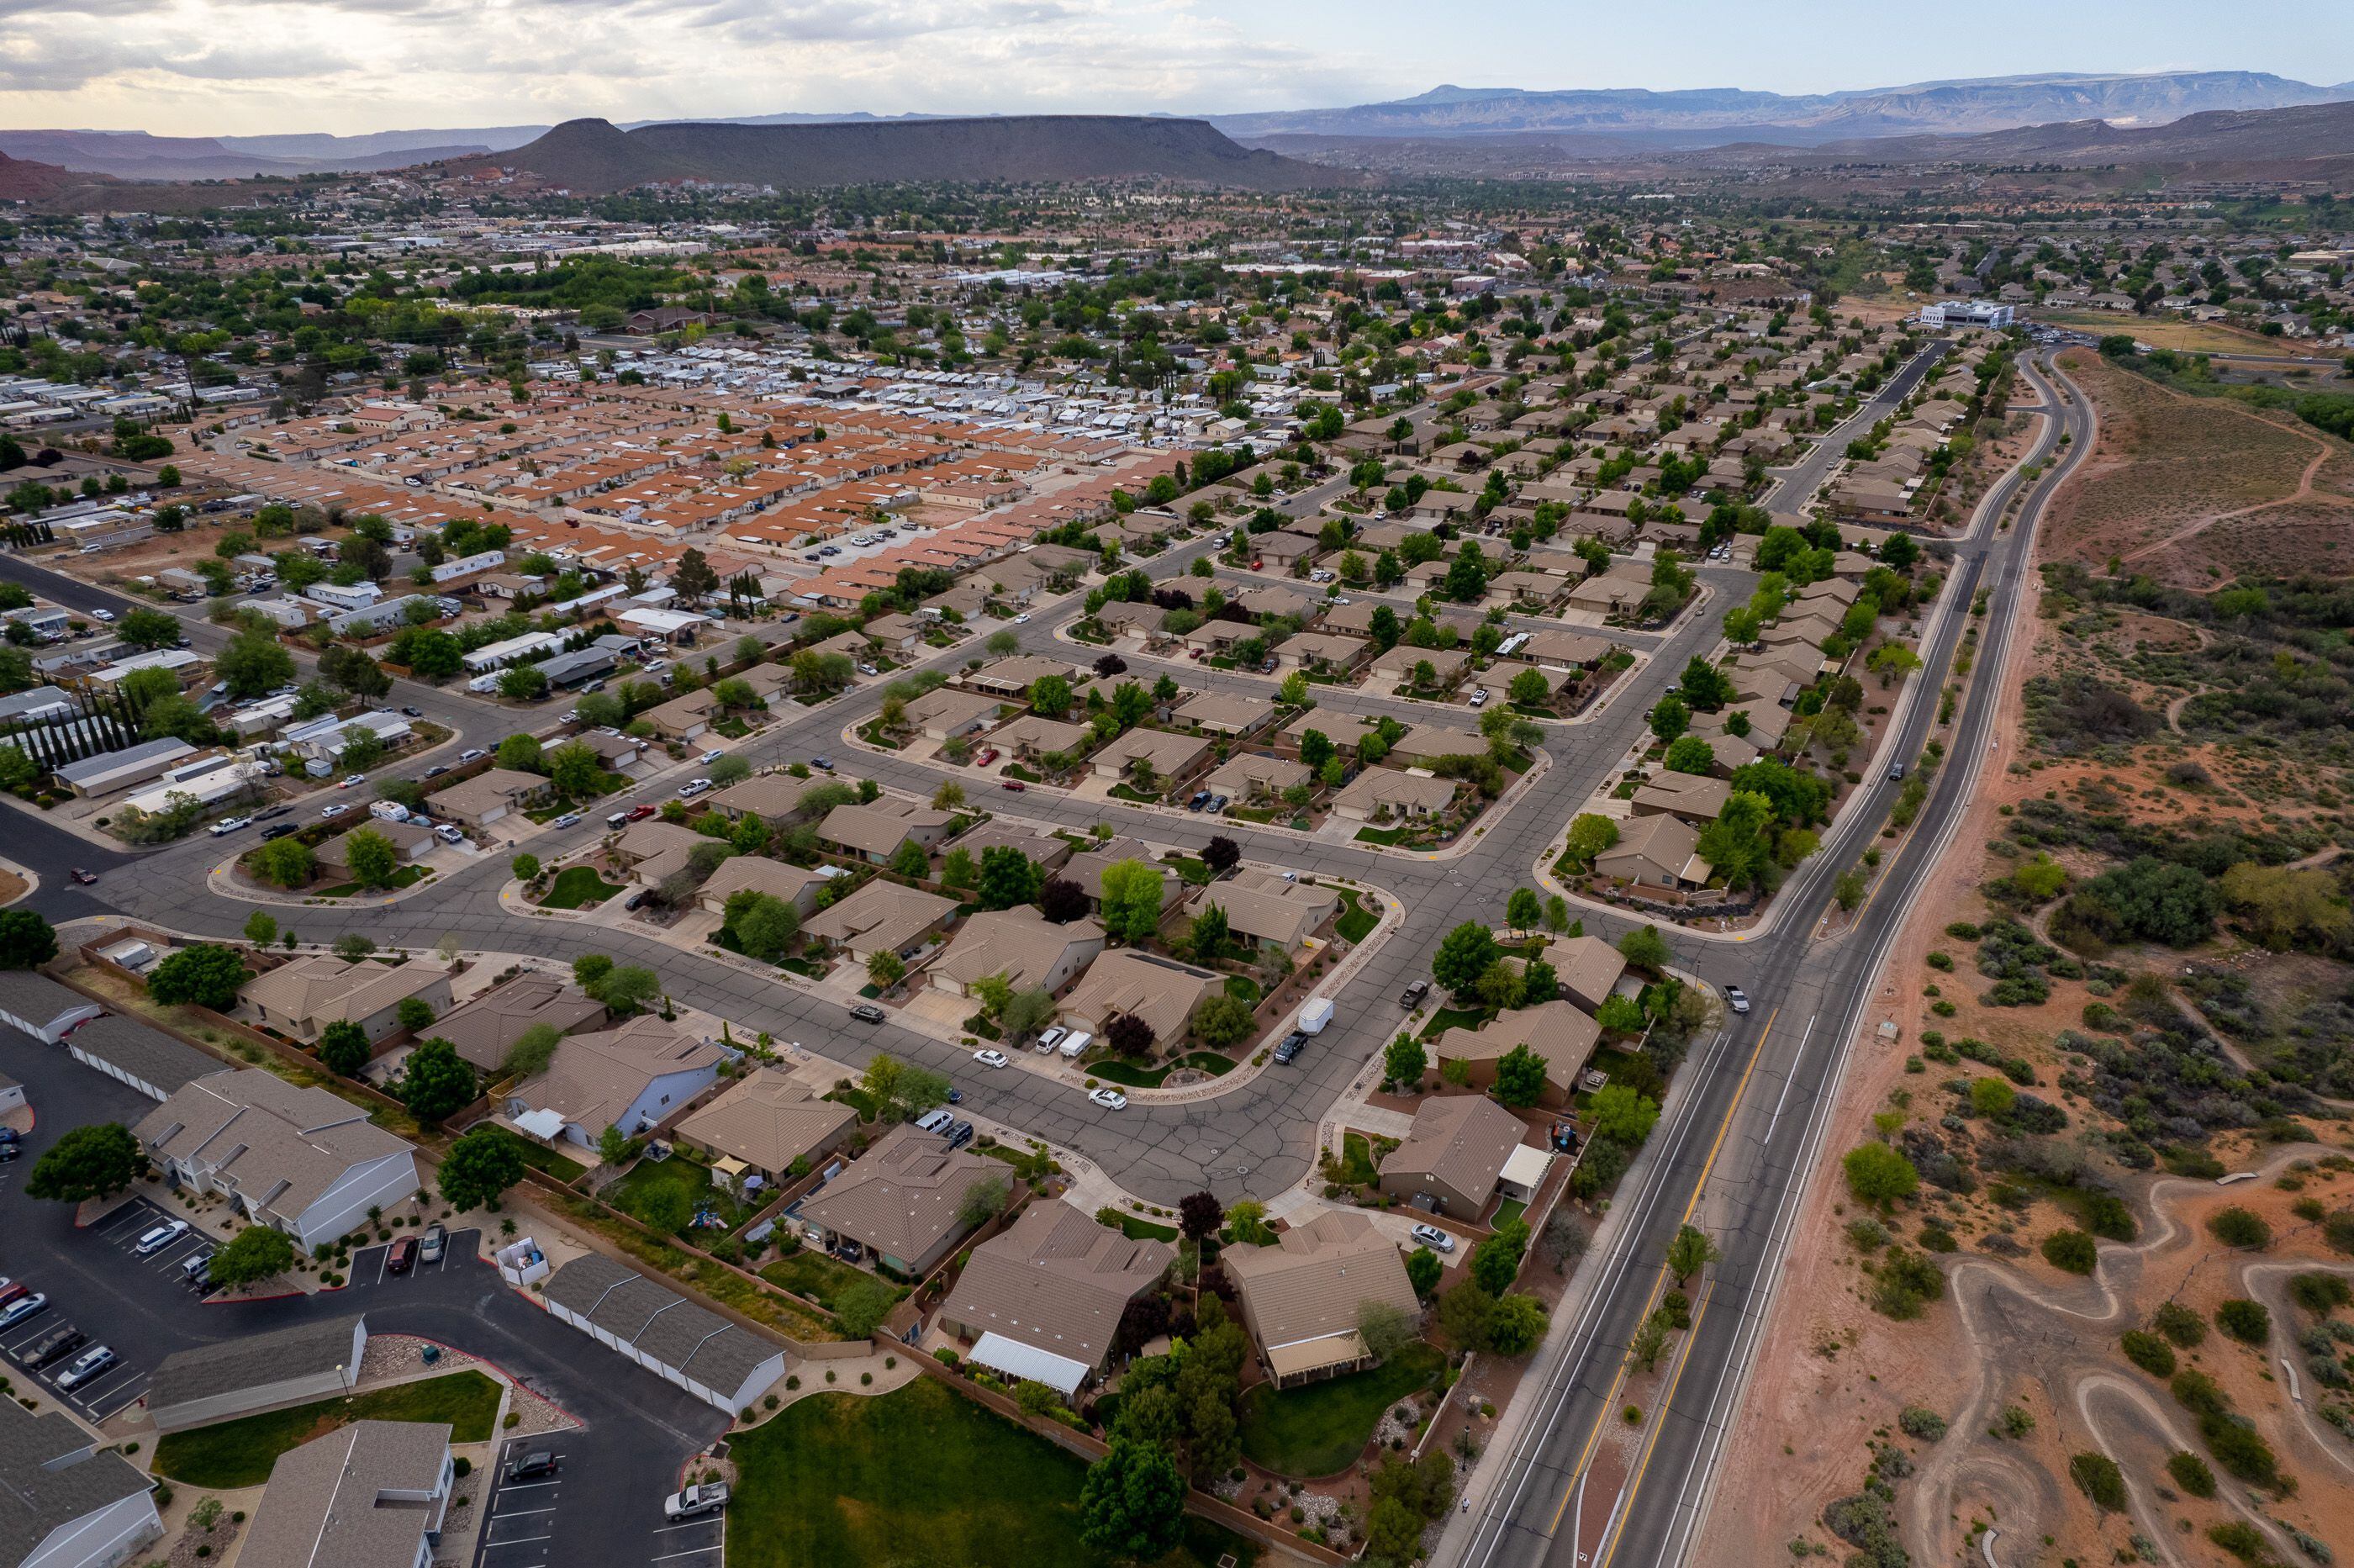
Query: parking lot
[(371, 1267), (124, 1382), (537, 1518)]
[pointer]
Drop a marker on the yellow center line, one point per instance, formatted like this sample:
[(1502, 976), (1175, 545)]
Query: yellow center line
[(1659, 1420), (1661, 1279)]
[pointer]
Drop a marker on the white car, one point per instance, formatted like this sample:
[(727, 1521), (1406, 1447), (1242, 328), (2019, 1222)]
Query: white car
[(450, 833), (350, 780), (708, 758), (1434, 1239), (105, 615), (161, 1237), (989, 1058), (570, 820), (337, 810), (229, 825), (21, 1308), (1110, 1099), (87, 1367), (473, 753), (1023, 619)]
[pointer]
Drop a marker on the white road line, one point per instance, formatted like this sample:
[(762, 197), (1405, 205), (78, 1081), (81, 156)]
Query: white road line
[(698, 1551), (528, 1485), (521, 1513), (521, 1540)]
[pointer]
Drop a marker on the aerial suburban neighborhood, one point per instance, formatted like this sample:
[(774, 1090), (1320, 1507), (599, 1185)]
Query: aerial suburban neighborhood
[(1086, 823)]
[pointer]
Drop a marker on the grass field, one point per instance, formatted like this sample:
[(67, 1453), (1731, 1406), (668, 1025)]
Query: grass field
[(1319, 1428), (575, 885), (634, 1193), (823, 1279), (1356, 922), (240, 1452), (1209, 1061), (917, 1476), (541, 1158), (2167, 331)]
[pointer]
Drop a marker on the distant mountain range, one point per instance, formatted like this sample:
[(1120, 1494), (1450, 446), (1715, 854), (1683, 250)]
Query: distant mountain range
[(1637, 118), (594, 156)]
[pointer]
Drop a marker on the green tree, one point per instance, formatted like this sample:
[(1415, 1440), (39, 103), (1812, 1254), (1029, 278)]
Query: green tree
[(1645, 949), (284, 863), (480, 1168), (1403, 1062), (371, 856), (524, 867), (262, 927), (202, 974), (1880, 1175), (1463, 956), (344, 1047), (1623, 1115), (1589, 835), (254, 1254), (1523, 910), (1520, 1077), (1132, 891), (910, 861), (27, 940), (765, 928), (1050, 696), (1670, 717), (533, 1050), (521, 753), (1220, 1019), (1008, 877), (253, 663), (94, 1162), (436, 1081), (628, 988), (1690, 1252), (885, 967), (1690, 754), (1132, 1502)]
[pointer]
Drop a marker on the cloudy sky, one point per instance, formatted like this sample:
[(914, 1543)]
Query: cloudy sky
[(249, 67)]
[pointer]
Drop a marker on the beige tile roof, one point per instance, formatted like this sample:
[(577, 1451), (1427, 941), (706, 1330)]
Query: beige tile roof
[(327, 1505), (1658, 842), (1588, 966), (768, 795), (1159, 990), (767, 1119), (1376, 786), (763, 875), (1461, 1141), (1058, 1280), (324, 988), (1087, 869), (1221, 711), (901, 1197), (484, 1028), (493, 787), (1285, 913), (594, 1078), (878, 827), (1309, 1285), (880, 915), (1021, 944), (1559, 1032)]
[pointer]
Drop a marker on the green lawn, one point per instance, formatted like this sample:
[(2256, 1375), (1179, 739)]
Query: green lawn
[(1209, 1061), (240, 1452), (1509, 1210), (1380, 835), (1356, 922), (1135, 1228), (633, 1193), (1319, 1428), (917, 1475), (1358, 1165), (810, 1273), (575, 885), (406, 876), (1447, 1018)]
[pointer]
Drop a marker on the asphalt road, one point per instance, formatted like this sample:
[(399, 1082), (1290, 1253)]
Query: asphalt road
[(638, 1430), (1736, 1147)]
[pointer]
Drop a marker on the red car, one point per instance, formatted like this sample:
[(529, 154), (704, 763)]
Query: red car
[(640, 814), (987, 755), (402, 1256), (1014, 784), (84, 877)]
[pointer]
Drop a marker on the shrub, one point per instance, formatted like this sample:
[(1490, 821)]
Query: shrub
[(2150, 1353), (2191, 1474), (2239, 1227), (1923, 1424), (2244, 1320), (2098, 1478), (2014, 1423), (2240, 1539), (1904, 1283), (2071, 1250), (2319, 1293), (2179, 1324)]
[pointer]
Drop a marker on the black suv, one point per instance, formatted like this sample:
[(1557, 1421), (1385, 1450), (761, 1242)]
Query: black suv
[(868, 1012), (1292, 1045)]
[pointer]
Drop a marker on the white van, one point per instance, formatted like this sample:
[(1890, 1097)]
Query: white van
[(939, 1120), (1076, 1042)]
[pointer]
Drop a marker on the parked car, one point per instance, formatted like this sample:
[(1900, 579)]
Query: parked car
[(695, 1501), (1414, 994), (692, 788), (277, 831), (473, 753), (160, 1237), (413, 713), (868, 1012), (1479, 698), (531, 1463), (822, 764), (1050, 1038), (328, 813), (24, 1306), (1199, 799), (87, 1367), (436, 1243), (570, 820), (1434, 1239), (990, 1058), (987, 755), (268, 812), (640, 813), (54, 1346), (402, 1257), (1110, 1099), (1292, 1045), (229, 825), (437, 770), (1736, 999), (105, 615), (708, 758), (1013, 784), (13, 1290)]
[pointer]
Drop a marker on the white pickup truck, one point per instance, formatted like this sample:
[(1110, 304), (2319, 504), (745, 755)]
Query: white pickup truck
[(695, 1501)]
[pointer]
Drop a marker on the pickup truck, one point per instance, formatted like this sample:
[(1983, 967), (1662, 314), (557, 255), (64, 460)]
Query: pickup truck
[(695, 1501)]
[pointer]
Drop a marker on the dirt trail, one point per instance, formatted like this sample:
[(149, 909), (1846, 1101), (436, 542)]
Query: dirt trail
[(2304, 492)]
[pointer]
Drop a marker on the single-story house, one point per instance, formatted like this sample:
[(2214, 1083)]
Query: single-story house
[(490, 796), (1449, 1161), (875, 829), (1224, 713), (881, 918), (1323, 651), (1161, 992), (764, 1125), (1030, 951), (1301, 1296), (1557, 1030), (1587, 967), (1694, 797), (900, 1201), (947, 713), (1379, 793), (411, 842), (486, 1028), (302, 998), (1256, 775), (1042, 1301), (634, 1076), (1264, 910), (770, 797), (1170, 757), (1655, 851), (795, 884), (684, 717)]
